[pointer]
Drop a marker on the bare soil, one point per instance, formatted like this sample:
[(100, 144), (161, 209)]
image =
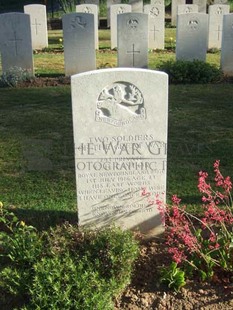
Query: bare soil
[(45, 81), (146, 293)]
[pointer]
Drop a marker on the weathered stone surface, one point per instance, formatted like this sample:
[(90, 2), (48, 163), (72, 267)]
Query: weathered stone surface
[(91, 9), (120, 135), (137, 5), (109, 4), (216, 13), (79, 42), (202, 5), (115, 10), (156, 28), (38, 20), (192, 36), (175, 4), (227, 45), (187, 8), (16, 42), (132, 40)]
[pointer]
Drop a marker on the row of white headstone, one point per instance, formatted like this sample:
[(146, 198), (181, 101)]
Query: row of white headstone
[(156, 14), (80, 34), (79, 38), (156, 17), (201, 6)]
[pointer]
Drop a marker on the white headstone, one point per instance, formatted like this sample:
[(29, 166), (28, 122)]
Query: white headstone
[(109, 4), (161, 2), (216, 13), (96, 2), (79, 42), (187, 8), (120, 137), (156, 27), (16, 42), (39, 30), (137, 5), (220, 1), (174, 6), (191, 36), (115, 10), (202, 5), (227, 45), (91, 9), (132, 40)]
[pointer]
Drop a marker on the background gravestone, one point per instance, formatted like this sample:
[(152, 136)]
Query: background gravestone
[(79, 42), (191, 36), (91, 9), (96, 2), (38, 20), (220, 1), (187, 8), (161, 2), (227, 45), (202, 5), (16, 42), (109, 4), (137, 5), (216, 13), (156, 27), (114, 11), (120, 136), (132, 40), (175, 4)]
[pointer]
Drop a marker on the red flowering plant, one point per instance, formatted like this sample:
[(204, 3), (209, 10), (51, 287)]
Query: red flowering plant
[(201, 244)]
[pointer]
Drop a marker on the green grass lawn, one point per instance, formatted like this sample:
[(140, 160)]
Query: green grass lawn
[(36, 126), (48, 63)]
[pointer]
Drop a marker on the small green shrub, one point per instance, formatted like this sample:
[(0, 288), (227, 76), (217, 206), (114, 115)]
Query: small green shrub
[(62, 282), (110, 251), (14, 76), (193, 72), (63, 268)]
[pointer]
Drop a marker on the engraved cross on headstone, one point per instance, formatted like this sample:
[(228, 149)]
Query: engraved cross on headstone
[(36, 25), (15, 40), (133, 52), (154, 31), (218, 31)]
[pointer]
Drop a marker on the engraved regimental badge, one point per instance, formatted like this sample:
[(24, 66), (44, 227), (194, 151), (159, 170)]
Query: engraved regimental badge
[(121, 10), (78, 21), (154, 12), (87, 9), (219, 11), (188, 9), (193, 24), (133, 23), (120, 104)]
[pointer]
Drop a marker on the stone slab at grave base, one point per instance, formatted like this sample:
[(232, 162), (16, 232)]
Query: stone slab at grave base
[(120, 136)]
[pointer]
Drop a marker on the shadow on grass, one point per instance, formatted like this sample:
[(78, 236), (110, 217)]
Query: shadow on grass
[(191, 199), (51, 75), (45, 219)]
